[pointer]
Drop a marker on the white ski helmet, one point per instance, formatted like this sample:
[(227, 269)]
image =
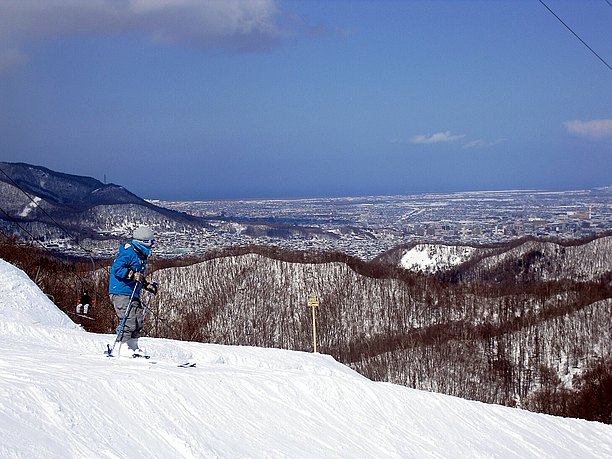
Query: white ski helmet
[(144, 235)]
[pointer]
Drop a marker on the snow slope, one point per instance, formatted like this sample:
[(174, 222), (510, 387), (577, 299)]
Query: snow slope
[(430, 258), (60, 398)]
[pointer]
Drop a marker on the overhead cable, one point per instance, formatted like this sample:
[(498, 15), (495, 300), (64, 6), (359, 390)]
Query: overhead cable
[(576, 35)]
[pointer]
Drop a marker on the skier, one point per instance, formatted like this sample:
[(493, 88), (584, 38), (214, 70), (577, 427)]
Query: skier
[(84, 303), (125, 283)]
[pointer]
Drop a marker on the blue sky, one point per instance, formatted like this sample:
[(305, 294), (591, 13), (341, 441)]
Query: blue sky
[(196, 99)]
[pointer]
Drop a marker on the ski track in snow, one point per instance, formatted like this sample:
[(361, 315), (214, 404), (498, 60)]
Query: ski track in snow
[(61, 397)]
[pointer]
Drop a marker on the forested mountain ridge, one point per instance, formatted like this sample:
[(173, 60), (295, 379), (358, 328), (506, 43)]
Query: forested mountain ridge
[(525, 260), (60, 189), (48, 205), (527, 338)]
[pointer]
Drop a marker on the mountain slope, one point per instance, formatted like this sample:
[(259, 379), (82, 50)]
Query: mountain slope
[(522, 260), (73, 191), (62, 398), (70, 208)]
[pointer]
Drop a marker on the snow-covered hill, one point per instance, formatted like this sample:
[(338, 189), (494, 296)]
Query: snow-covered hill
[(62, 398), (582, 261), (431, 258), (72, 213)]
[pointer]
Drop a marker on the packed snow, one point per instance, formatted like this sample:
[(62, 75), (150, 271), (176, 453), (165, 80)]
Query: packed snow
[(61, 397)]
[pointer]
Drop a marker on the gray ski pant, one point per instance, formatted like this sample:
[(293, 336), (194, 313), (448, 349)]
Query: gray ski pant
[(135, 319)]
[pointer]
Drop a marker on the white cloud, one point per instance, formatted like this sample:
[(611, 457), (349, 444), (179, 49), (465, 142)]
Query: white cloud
[(438, 137), (482, 143), (594, 129), (242, 25)]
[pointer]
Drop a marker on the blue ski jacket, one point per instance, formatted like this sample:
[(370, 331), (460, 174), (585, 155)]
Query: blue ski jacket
[(131, 256)]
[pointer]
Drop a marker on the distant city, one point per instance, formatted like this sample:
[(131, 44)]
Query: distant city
[(368, 226)]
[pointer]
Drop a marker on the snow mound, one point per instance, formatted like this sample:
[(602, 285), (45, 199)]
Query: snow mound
[(61, 397), (23, 303)]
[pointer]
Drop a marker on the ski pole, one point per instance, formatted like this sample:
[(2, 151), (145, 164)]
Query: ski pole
[(150, 299)]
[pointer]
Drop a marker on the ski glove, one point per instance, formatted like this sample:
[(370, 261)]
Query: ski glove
[(137, 276), (150, 287)]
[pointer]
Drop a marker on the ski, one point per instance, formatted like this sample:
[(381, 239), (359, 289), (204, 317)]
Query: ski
[(81, 315), (146, 358), (109, 353), (135, 358), (140, 356), (187, 365)]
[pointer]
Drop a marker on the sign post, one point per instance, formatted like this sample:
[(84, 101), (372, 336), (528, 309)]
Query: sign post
[(313, 302)]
